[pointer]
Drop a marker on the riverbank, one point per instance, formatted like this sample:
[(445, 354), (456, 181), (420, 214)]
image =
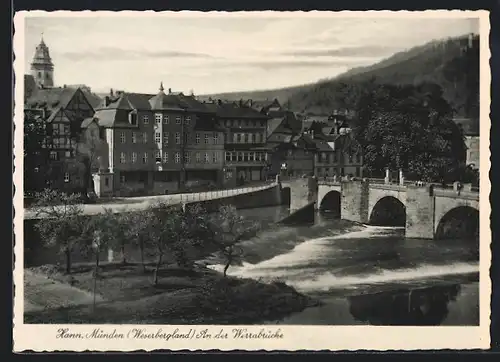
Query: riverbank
[(126, 295)]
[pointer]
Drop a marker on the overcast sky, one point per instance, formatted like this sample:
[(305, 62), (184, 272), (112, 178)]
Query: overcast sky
[(217, 54)]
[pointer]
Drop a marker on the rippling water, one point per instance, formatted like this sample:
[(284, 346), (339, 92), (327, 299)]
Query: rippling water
[(368, 275)]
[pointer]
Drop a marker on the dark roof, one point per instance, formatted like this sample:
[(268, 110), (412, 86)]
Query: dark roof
[(470, 126), (51, 98), (322, 145), (160, 101), (273, 124), (88, 121), (233, 110)]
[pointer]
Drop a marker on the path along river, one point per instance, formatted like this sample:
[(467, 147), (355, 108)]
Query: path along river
[(365, 274)]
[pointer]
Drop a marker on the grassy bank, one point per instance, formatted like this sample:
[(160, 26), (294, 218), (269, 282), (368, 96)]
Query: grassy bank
[(125, 294)]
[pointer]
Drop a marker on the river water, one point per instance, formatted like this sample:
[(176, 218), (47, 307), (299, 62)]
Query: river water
[(364, 274)]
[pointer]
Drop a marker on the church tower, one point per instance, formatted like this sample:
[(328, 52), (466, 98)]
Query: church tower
[(42, 67)]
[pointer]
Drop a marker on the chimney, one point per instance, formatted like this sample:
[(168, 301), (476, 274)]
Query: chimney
[(219, 102), (106, 101), (111, 94), (169, 90), (64, 86)]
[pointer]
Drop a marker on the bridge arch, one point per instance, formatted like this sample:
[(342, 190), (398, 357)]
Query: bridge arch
[(388, 211), (460, 222), (331, 202)]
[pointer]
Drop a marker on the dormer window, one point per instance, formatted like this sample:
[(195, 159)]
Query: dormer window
[(132, 118), (145, 119)]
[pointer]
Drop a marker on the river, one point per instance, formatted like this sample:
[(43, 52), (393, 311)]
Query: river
[(364, 274)]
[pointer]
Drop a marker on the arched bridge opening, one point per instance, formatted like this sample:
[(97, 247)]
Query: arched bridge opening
[(331, 203), (459, 223), (286, 196), (388, 211)]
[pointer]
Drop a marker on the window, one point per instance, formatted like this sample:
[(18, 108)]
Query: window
[(228, 123), (178, 120), (158, 156), (187, 157), (250, 137), (122, 137), (165, 119), (216, 138), (207, 159), (145, 158), (39, 74), (214, 157), (134, 157), (246, 157), (122, 179), (206, 139), (66, 177), (145, 137), (132, 116), (357, 172), (240, 156), (228, 156), (177, 157), (187, 120), (123, 157), (106, 181), (254, 156), (186, 137), (198, 157), (134, 137), (145, 119), (157, 137), (238, 138), (165, 138), (165, 157), (235, 138), (197, 138), (67, 154), (158, 117), (177, 138), (53, 156), (358, 158)]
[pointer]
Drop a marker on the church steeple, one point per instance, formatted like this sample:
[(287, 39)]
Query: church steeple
[(161, 87), (42, 67)]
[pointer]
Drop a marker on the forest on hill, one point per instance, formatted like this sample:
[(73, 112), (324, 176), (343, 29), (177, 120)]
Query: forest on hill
[(451, 63)]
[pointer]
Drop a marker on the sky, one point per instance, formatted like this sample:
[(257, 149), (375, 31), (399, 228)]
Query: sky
[(212, 54)]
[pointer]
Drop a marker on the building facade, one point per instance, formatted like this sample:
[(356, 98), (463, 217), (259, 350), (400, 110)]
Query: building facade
[(245, 154), (159, 143)]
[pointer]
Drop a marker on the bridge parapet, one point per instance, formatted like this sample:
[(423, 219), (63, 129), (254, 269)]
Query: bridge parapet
[(458, 194)]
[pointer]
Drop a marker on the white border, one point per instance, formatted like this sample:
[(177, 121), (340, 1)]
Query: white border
[(43, 337)]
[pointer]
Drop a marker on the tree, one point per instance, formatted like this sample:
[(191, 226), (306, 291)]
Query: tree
[(35, 155), (60, 221), (228, 229), (88, 150), (137, 231)]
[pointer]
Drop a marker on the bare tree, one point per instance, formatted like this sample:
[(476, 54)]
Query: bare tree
[(60, 221), (228, 229)]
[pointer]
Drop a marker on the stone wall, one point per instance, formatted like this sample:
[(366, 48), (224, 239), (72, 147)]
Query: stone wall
[(419, 212), (262, 198)]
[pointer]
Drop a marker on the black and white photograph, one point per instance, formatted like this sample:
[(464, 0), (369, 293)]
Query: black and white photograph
[(239, 175)]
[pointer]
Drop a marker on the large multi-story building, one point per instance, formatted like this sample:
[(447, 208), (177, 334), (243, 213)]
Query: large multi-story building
[(245, 131), (159, 143)]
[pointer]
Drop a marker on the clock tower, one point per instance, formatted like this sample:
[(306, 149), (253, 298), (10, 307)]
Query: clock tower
[(42, 67)]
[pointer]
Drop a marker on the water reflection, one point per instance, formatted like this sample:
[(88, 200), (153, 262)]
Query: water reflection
[(417, 307)]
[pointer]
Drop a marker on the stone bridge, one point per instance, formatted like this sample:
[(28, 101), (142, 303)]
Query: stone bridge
[(426, 211)]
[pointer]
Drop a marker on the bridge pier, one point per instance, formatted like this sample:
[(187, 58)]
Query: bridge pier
[(419, 212), (354, 201)]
